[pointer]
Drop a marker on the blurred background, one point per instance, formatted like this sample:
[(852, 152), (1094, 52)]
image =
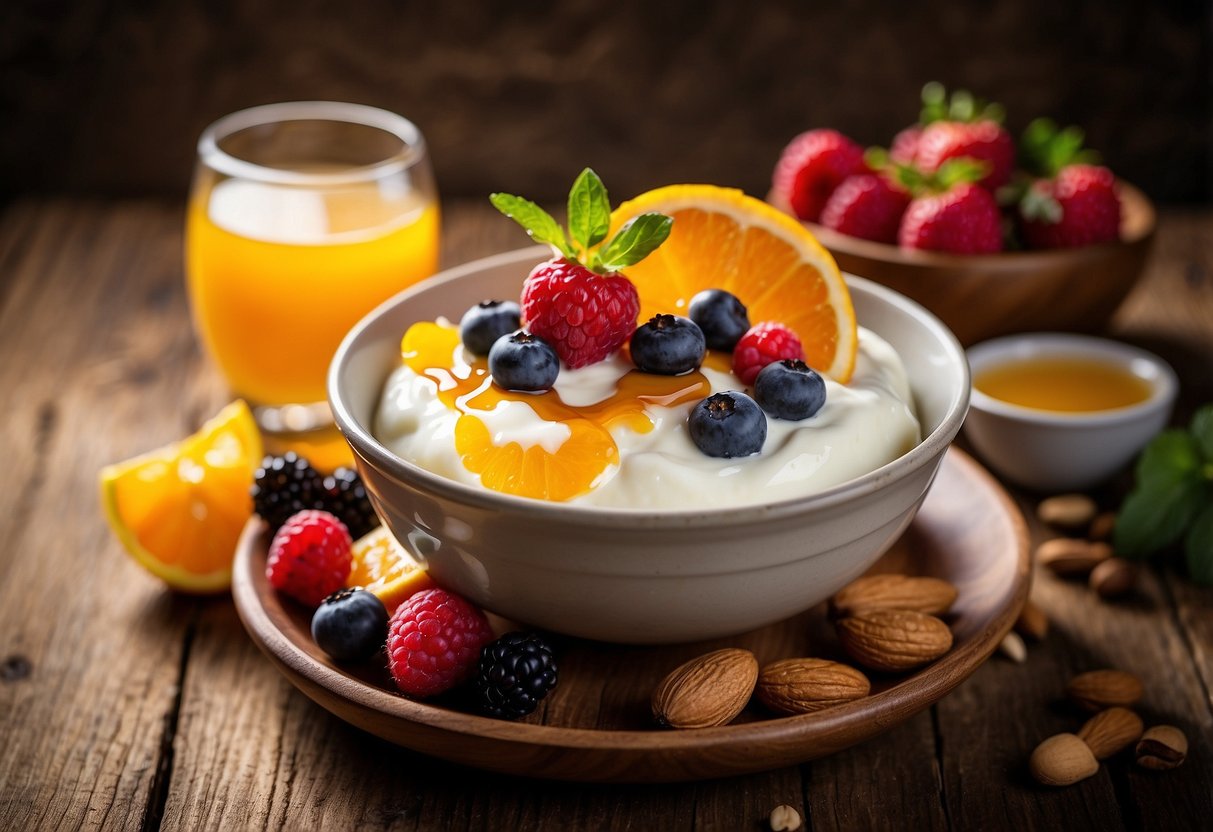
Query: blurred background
[(108, 98)]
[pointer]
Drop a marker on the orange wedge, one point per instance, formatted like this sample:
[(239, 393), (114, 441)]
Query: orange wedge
[(381, 566), (179, 510), (723, 239)]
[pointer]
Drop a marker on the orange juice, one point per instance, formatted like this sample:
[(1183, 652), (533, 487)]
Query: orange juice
[(277, 275)]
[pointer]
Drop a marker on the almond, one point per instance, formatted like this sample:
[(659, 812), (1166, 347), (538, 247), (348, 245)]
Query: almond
[(801, 686), (893, 592), (1102, 526), (1113, 578), (1032, 622), (1101, 689), (894, 640), (1067, 556), (1013, 648), (1062, 760), (1067, 511), (1109, 731), (784, 819), (1161, 748), (707, 691)]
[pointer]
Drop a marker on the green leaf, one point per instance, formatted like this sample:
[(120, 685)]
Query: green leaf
[(1202, 432), (537, 222), (589, 210), (638, 238), (1198, 548), (1171, 455), (1156, 514), (960, 169)]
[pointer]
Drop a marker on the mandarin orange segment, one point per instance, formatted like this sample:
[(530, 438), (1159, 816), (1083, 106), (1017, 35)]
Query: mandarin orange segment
[(381, 565)]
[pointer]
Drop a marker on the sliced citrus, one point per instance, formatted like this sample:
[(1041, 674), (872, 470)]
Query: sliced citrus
[(179, 510), (723, 239), (382, 566)]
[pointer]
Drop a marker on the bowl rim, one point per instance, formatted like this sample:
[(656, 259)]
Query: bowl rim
[(368, 447), (1164, 383)]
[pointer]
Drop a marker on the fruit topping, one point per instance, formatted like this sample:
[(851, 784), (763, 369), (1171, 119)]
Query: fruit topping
[(524, 362), (721, 316), (868, 206), (763, 344), (577, 301), (668, 345), (514, 674), (383, 568), (812, 166), (288, 484), (350, 625), (728, 425), (434, 642), (309, 557), (790, 389), (487, 321)]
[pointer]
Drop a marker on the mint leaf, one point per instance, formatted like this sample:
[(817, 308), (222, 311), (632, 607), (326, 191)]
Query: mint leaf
[(1157, 513), (638, 238), (537, 222), (1198, 548), (1202, 432), (1170, 455), (589, 210)]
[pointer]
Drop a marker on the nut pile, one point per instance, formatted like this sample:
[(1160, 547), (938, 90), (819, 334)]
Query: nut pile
[(1085, 554)]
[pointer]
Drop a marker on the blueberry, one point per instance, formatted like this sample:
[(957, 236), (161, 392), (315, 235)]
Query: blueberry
[(350, 625), (721, 316), (524, 362), (790, 389), (728, 424), (487, 321), (667, 345)]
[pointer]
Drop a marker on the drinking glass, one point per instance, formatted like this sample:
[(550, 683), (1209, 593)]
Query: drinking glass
[(302, 218)]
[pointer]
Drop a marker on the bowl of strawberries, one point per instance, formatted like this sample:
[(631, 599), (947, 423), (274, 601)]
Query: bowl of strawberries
[(992, 235)]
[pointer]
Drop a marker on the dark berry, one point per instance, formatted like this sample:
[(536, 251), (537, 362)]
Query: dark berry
[(286, 485), (487, 321), (789, 389), (721, 316), (727, 425), (350, 625), (524, 362), (667, 345), (515, 673), (346, 497)]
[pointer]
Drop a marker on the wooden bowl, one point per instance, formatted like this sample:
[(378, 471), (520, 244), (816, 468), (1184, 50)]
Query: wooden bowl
[(596, 725), (984, 296)]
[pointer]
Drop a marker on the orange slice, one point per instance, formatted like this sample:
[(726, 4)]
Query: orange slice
[(381, 566), (179, 510), (723, 239)]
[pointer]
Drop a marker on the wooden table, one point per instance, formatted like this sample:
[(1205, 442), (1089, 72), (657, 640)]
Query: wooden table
[(125, 706)]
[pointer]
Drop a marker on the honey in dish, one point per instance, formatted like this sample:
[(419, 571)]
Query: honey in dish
[(1070, 385)]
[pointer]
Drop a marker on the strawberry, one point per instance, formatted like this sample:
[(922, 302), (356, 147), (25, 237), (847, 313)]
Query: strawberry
[(950, 212), (905, 145), (963, 127), (866, 205), (578, 301), (812, 166)]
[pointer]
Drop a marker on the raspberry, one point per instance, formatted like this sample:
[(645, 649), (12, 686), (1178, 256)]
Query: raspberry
[(866, 206), (434, 642), (310, 557), (764, 344), (585, 316), (812, 166)]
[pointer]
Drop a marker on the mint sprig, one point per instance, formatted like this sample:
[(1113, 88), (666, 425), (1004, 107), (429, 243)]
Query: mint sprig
[(1172, 499), (589, 223)]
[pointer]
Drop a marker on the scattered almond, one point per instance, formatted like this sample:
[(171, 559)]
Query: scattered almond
[(801, 686), (1102, 526), (932, 596), (1062, 760), (894, 640), (1113, 578), (1069, 556), (1067, 511), (1013, 648), (707, 691), (1032, 622), (784, 819), (1099, 689), (1111, 730), (1162, 747)]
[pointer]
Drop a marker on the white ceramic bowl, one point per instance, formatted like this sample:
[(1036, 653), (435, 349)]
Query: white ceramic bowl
[(1059, 451), (636, 575)]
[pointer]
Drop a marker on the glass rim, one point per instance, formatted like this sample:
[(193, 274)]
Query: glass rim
[(412, 151)]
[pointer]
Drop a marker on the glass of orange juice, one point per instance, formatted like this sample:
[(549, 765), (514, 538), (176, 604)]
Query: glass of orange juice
[(303, 217)]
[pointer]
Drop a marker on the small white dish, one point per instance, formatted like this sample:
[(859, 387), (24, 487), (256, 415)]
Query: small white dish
[(1054, 450)]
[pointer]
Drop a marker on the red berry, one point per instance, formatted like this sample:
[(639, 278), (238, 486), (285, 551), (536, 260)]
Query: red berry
[(310, 557), (812, 166), (434, 642), (984, 140), (585, 316), (764, 344), (962, 220), (1085, 210), (866, 205), (905, 145)]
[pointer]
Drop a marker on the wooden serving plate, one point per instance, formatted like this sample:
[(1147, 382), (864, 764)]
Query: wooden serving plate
[(596, 724)]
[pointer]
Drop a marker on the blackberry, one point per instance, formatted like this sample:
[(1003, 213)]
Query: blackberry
[(345, 496), (288, 484), (515, 673)]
